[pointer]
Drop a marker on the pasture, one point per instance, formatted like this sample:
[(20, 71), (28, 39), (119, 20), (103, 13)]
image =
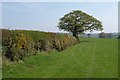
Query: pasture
[(92, 58)]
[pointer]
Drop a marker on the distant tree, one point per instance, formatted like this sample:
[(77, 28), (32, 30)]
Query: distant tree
[(119, 37), (88, 35), (109, 35), (78, 22), (102, 35)]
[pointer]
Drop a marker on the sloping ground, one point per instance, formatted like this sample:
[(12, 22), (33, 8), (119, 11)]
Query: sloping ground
[(92, 58)]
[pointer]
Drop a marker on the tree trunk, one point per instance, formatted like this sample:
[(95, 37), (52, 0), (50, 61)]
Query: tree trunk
[(76, 36)]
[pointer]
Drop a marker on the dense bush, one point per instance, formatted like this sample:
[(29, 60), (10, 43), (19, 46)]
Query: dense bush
[(18, 44)]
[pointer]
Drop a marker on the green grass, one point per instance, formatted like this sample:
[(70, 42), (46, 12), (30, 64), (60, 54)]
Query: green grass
[(92, 58)]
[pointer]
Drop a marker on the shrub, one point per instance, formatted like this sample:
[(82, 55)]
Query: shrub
[(21, 43)]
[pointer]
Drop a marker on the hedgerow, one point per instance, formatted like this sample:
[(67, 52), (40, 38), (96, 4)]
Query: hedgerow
[(18, 44)]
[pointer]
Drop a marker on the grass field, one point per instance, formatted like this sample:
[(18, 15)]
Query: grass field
[(92, 58)]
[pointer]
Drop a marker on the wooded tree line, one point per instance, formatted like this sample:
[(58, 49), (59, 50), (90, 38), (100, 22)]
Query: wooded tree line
[(105, 35)]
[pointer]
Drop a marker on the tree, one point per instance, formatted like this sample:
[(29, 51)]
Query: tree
[(109, 35), (118, 37), (78, 22), (102, 35), (88, 35)]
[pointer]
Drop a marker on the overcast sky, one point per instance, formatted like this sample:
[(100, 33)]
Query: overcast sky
[(44, 16)]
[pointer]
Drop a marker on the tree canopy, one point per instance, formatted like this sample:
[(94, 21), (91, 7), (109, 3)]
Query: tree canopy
[(102, 35), (78, 22)]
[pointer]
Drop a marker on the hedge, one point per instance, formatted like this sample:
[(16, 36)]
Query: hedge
[(17, 44)]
